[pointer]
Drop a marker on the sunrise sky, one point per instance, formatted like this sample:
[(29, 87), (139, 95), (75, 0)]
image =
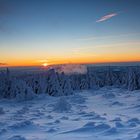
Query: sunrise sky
[(36, 32)]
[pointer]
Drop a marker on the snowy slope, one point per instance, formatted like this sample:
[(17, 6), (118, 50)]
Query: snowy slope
[(104, 114)]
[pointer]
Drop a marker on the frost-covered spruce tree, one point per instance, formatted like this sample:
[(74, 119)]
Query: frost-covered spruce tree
[(139, 80), (2, 84), (138, 76), (43, 84), (91, 79), (84, 83), (124, 80), (132, 83), (36, 86), (99, 80), (21, 91), (117, 80), (36, 83), (75, 81), (65, 84), (53, 85), (6, 84), (14, 88), (109, 77)]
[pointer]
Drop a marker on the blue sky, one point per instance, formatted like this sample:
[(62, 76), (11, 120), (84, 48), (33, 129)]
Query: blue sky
[(69, 30)]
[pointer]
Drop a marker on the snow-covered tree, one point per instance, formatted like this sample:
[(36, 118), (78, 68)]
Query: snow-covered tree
[(21, 91), (11, 87), (84, 83), (36, 86), (53, 85), (65, 84), (138, 76), (6, 84), (132, 83), (91, 79), (75, 81), (25, 85), (109, 77), (138, 80)]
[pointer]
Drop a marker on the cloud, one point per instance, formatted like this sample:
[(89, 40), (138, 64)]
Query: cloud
[(3, 64), (42, 61), (127, 44), (106, 17), (108, 36), (72, 68)]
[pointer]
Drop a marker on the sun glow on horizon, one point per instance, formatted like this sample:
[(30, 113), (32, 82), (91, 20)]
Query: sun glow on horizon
[(45, 64)]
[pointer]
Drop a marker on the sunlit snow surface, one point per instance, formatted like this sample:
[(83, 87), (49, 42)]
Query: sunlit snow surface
[(105, 114)]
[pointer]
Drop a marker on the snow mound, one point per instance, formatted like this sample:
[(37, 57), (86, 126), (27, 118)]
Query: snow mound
[(22, 124), (116, 103), (78, 99), (2, 131), (49, 117), (93, 116), (102, 127), (17, 138), (134, 120), (116, 119), (137, 137), (64, 118), (62, 105), (90, 127), (2, 111), (51, 130), (111, 131), (89, 124), (119, 125), (57, 121), (23, 110), (109, 95)]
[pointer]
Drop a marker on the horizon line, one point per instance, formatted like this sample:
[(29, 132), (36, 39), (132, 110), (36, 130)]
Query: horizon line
[(68, 63)]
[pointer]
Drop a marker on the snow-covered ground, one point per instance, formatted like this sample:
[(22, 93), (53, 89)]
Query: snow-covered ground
[(104, 114)]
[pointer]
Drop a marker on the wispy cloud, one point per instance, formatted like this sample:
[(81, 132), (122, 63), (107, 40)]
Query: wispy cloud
[(106, 17), (2, 64), (127, 44), (108, 36), (42, 61)]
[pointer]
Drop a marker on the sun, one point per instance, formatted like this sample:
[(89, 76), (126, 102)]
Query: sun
[(45, 64)]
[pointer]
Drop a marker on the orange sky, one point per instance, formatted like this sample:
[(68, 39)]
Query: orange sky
[(104, 59), (36, 56)]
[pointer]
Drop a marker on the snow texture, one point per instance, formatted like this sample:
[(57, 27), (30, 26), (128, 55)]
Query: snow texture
[(84, 115), (102, 103)]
